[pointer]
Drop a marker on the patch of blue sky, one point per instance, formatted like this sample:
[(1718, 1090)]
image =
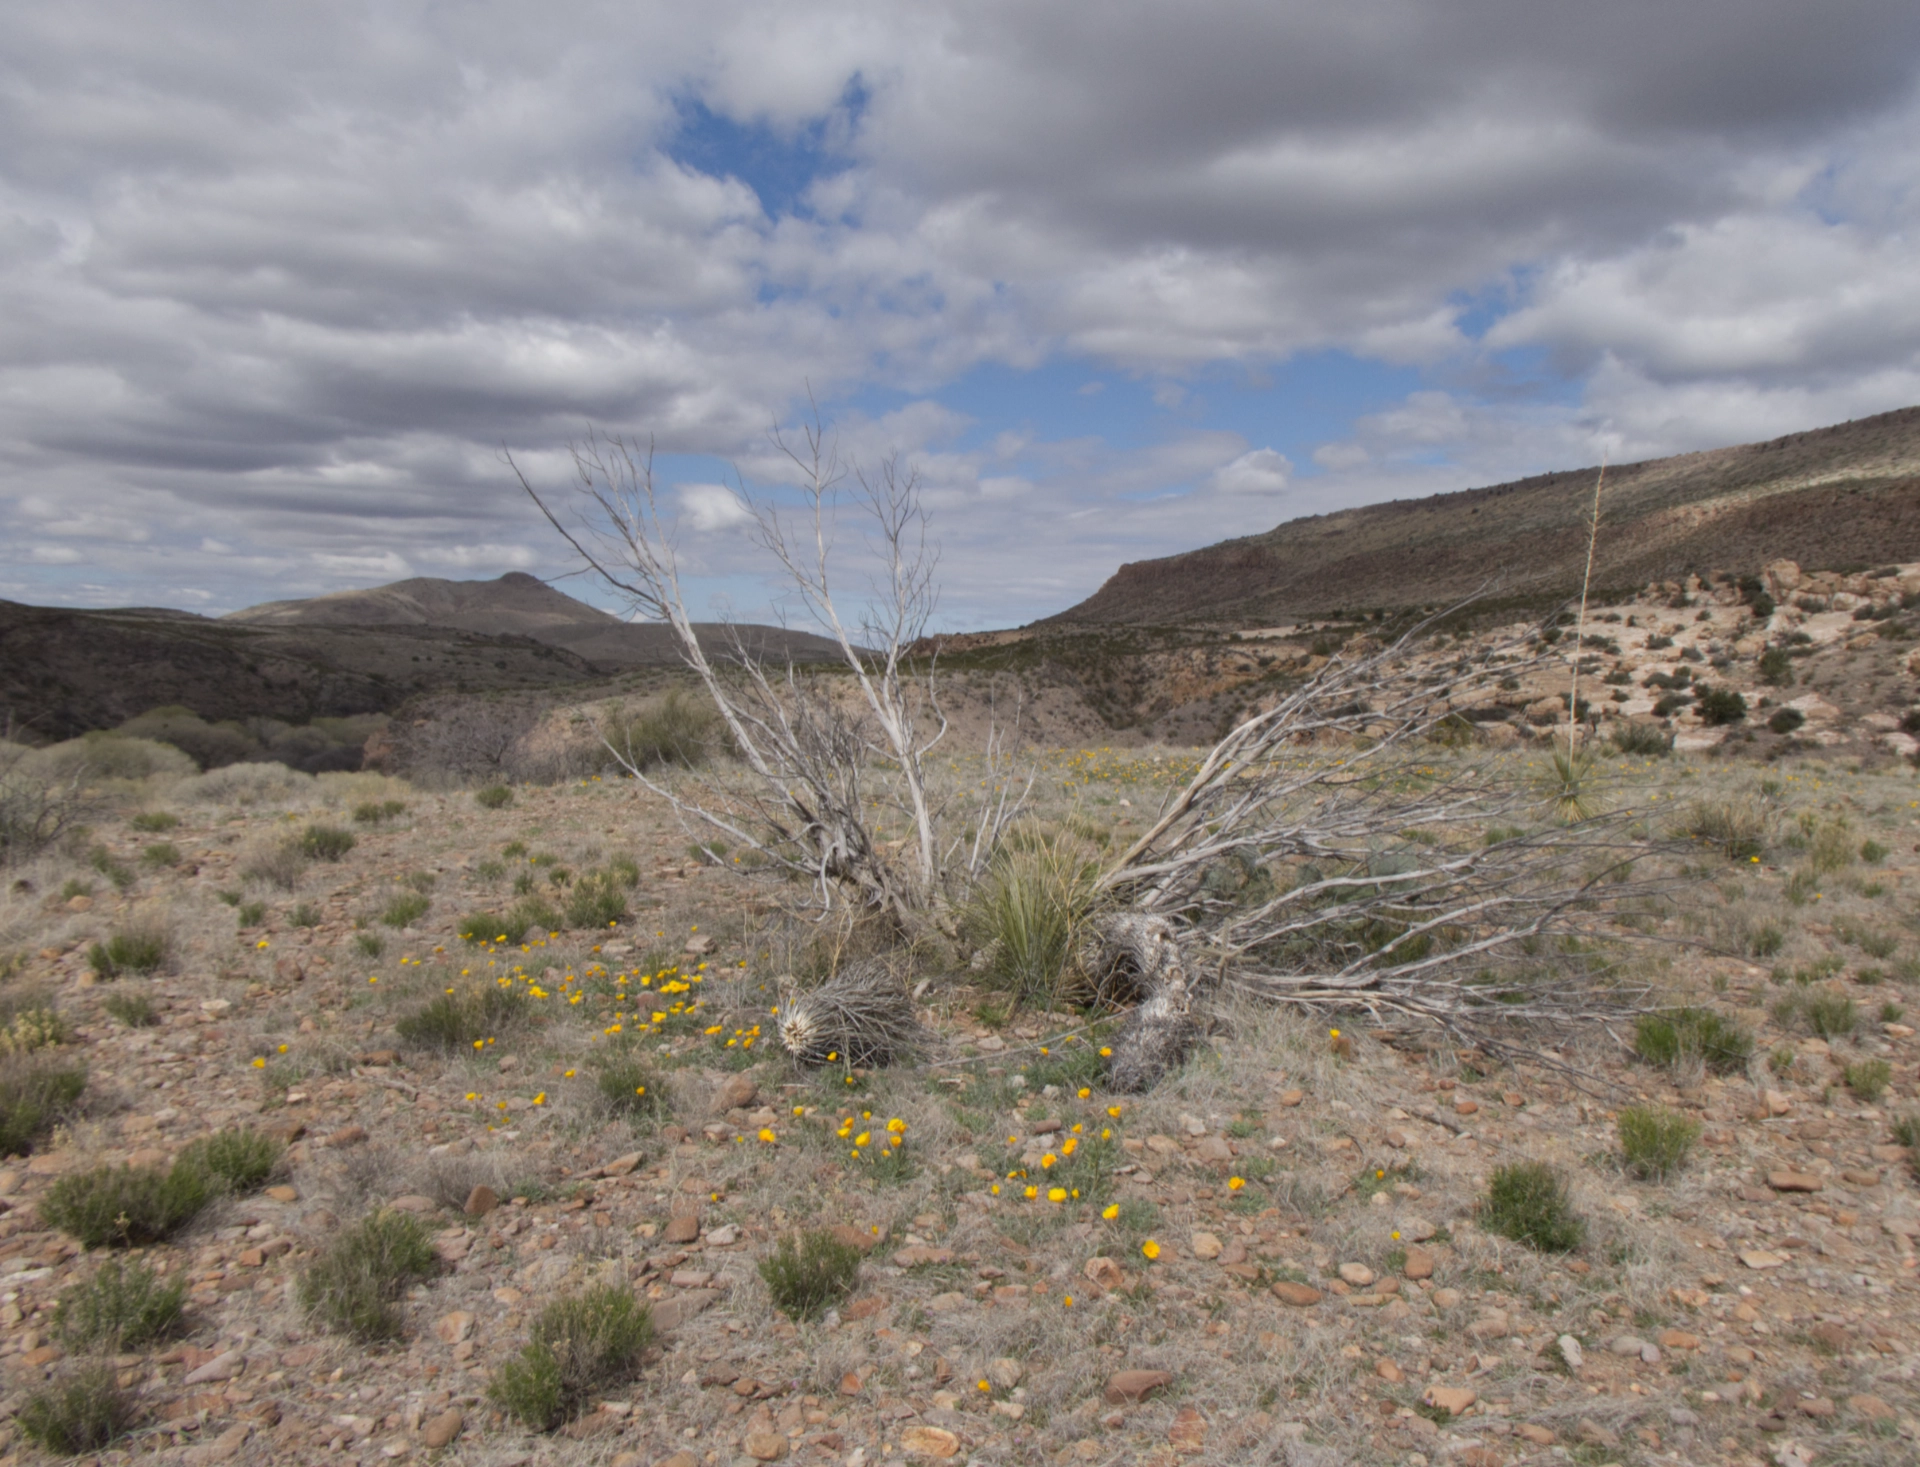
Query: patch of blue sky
[(778, 164)]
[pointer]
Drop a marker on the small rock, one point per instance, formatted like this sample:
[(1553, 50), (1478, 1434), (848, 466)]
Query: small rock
[(1451, 1399), (1292, 1097), (1491, 1325), (1594, 1434), (1626, 1344), (1466, 1107), (347, 1136), (736, 1092), (620, 1166), (1417, 1229), (1784, 1181), (283, 1194), (1389, 1372), (1819, 1407), (1396, 1138), (927, 1441), (381, 1058), (1135, 1385), (1419, 1264), (1299, 1295), (1760, 1258), (1871, 1407), (852, 1237), (1188, 1432), (1778, 1104), (416, 1204), (1006, 1372), (455, 1327), (1206, 1246), (1570, 1353), (1105, 1272), (222, 1367), (683, 1227), (442, 1429), (1357, 1274), (766, 1446), (1532, 1431), (223, 1448), (1678, 1339), (480, 1201), (1445, 1298)]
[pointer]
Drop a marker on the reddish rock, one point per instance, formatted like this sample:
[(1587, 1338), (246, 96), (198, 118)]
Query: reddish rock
[(442, 1429), (1419, 1264), (1785, 1181), (1188, 1432), (1125, 1386), (1299, 1295), (1451, 1399), (480, 1201), (683, 1227), (348, 1136)]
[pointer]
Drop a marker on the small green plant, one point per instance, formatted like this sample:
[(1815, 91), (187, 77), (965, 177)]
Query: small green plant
[(161, 853), (127, 1207), (1038, 892), (1641, 736), (357, 1282), (135, 950), (1786, 720), (1868, 1078), (514, 848), (454, 1021), (34, 1025), (277, 864), (1766, 942), (82, 1413), (305, 915), (1906, 1131), (489, 869), (674, 730), (628, 1088), (135, 1010), (327, 842), (34, 1094), (809, 1273), (122, 1307), (1720, 706), (1830, 1015), (579, 1346), (1654, 1141), (378, 812), (1737, 828), (1776, 668), (1890, 1013), (155, 822), (1675, 1036), (1872, 852), (1781, 1060), (242, 1160), (101, 860), (494, 797), (404, 909), (597, 899), (1528, 1202), (371, 944)]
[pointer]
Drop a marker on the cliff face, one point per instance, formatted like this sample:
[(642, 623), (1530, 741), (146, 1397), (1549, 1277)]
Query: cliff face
[(1835, 497)]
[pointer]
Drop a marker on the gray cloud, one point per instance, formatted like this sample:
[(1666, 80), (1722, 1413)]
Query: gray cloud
[(280, 280)]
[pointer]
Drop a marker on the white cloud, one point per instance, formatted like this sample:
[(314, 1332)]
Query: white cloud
[(1259, 471), (709, 507)]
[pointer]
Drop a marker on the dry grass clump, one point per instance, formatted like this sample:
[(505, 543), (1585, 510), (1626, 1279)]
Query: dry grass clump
[(674, 729), (248, 785), (1735, 826), (809, 1273), (860, 1016), (35, 1093), (356, 1284), (135, 1010), (1027, 912), (579, 1346), (276, 862), (327, 842), (140, 947), (1868, 1078), (1655, 1141), (82, 1413), (629, 1088)]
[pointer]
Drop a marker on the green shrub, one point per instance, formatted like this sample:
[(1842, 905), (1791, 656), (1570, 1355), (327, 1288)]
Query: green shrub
[(135, 1010), (135, 950), (155, 822), (251, 914), (674, 730), (494, 797), (579, 1347), (1038, 892), (101, 860), (378, 812), (34, 1094), (82, 1413), (1720, 706), (809, 1273), (357, 1282), (1641, 736), (1873, 853), (371, 944), (628, 1088), (535, 914), (1767, 941), (304, 914), (1776, 668), (1830, 1015), (406, 908), (1528, 1202), (326, 842), (1868, 1078), (1674, 1036), (1906, 1130), (242, 1159), (33, 1025), (127, 1207), (1654, 1141), (161, 853), (123, 1306), (1786, 720), (1737, 828), (597, 899), (454, 1021)]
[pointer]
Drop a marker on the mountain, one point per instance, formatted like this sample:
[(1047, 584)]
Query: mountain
[(523, 606), (1845, 497)]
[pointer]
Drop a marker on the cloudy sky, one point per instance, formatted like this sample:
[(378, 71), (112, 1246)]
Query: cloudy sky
[(278, 282)]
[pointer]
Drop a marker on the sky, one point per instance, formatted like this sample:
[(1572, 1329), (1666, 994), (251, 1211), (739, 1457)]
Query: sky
[(281, 283)]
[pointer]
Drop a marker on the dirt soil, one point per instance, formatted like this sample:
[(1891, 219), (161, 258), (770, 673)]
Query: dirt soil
[(1276, 1257)]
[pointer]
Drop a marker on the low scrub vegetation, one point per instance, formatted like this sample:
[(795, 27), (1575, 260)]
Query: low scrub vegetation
[(579, 1346), (1528, 1202), (807, 1274), (122, 1307), (1655, 1141), (455, 1021), (675, 729), (1038, 893), (629, 1088), (1679, 1036), (125, 1206), (82, 1413), (327, 842), (141, 949), (36, 1092), (493, 796), (356, 1284), (1868, 1078)]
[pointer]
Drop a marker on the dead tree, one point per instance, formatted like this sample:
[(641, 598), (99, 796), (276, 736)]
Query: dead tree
[(823, 752)]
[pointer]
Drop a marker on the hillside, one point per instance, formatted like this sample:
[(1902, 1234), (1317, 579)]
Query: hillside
[(1845, 497), (521, 605)]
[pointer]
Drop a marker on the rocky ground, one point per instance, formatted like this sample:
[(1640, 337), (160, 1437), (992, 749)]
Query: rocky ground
[(1276, 1257)]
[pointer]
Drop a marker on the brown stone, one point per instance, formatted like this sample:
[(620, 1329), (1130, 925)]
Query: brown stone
[(480, 1201), (929, 1441), (1451, 1399), (736, 1092), (1594, 1434), (1188, 1432), (1206, 1246), (1356, 1274), (455, 1327), (852, 1237), (380, 1059), (1855, 1178), (1677, 1339), (283, 1194), (442, 1429), (683, 1227), (1104, 1272), (678, 1459), (1819, 1406), (1389, 1372), (766, 1446), (1299, 1295), (1533, 1432), (348, 1136), (1466, 1107), (1759, 1258), (850, 1384), (1125, 1386), (1293, 1097), (1785, 1181), (1871, 1407), (1419, 1264)]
